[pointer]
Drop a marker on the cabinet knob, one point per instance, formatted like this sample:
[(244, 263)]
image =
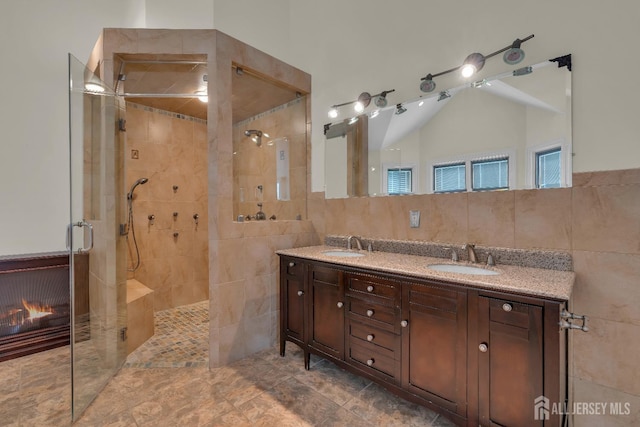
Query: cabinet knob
[(300, 293), (507, 307), (404, 323), (369, 288), (369, 313), (483, 347), (370, 337), (291, 264), (370, 362), (340, 304)]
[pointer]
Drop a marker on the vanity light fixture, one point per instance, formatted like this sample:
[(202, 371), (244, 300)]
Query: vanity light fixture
[(381, 100), (362, 102), (515, 54), (473, 63)]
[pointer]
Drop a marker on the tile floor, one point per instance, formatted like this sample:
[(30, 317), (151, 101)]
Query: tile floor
[(164, 383), (181, 339)]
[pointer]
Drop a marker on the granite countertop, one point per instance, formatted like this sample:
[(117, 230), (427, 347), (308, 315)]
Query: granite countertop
[(538, 282)]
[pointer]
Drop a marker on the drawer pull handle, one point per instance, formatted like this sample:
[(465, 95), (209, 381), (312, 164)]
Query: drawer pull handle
[(370, 337), (404, 323), (369, 313), (340, 304), (369, 288), (507, 307), (483, 347), (370, 362), (291, 264), (300, 293)]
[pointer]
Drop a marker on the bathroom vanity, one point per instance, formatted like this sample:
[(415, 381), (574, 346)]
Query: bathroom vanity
[(478, 349)]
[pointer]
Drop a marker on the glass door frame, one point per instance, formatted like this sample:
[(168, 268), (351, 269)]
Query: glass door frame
[(98, 336)]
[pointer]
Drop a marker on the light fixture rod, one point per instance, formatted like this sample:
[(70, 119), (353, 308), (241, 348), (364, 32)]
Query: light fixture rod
[(385, 92), (431, 76), (504, 49)]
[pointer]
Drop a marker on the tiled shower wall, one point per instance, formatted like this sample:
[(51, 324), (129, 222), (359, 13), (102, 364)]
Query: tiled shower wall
[(171, 151), (254, 166), (598, 221)]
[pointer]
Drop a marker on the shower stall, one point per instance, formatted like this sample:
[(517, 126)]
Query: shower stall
[(154, 180)]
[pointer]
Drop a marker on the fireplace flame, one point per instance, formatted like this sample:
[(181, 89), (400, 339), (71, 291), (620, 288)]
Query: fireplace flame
[(36, 311)]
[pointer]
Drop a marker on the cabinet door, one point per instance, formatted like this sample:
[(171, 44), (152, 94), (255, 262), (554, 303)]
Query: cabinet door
[(434, 345), (510, 362), (326, 311), (292, 301)]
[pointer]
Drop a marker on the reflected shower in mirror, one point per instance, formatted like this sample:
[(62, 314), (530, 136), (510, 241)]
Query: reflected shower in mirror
[(509, 131)]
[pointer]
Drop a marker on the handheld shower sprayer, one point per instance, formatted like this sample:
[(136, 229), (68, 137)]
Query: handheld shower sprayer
[(130, 221), (135, 184)]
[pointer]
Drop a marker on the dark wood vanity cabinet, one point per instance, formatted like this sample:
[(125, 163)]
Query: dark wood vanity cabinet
[(434, 344), (293, 304), (481, 358), (510, 361), (373, 337), (326, 311)]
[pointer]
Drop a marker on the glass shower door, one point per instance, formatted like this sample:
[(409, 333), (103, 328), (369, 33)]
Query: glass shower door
[(98, 272)]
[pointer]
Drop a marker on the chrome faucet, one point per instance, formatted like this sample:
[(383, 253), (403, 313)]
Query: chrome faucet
[(470, 248), (358, 243)]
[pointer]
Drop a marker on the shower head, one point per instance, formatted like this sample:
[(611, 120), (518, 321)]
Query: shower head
[(256, 136), (135, 184)]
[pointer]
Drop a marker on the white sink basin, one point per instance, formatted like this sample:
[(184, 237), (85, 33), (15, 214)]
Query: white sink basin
[(343, 254), (462, 269)]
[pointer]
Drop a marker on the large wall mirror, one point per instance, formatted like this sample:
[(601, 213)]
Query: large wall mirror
[(508, 131)]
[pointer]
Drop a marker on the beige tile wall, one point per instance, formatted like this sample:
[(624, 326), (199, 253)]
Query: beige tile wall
[(598, 220), (172, 151)]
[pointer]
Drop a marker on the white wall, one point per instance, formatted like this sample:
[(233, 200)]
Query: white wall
[(179, 14), (347, 47), (35, 37)]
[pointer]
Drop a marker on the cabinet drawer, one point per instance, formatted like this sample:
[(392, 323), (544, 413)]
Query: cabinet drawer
[(376, 336), (509, 313), (382, 291), (372, 357), (376, 313), (293, 267)]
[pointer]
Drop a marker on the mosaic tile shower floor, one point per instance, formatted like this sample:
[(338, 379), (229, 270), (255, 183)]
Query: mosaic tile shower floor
[(181, 339)]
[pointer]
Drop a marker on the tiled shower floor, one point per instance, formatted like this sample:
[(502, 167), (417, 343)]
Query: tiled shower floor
[(181, 339)]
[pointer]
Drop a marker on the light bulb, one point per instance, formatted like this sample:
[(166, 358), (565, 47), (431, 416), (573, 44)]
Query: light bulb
[(468, 70), (359, 107), (333, 113)]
